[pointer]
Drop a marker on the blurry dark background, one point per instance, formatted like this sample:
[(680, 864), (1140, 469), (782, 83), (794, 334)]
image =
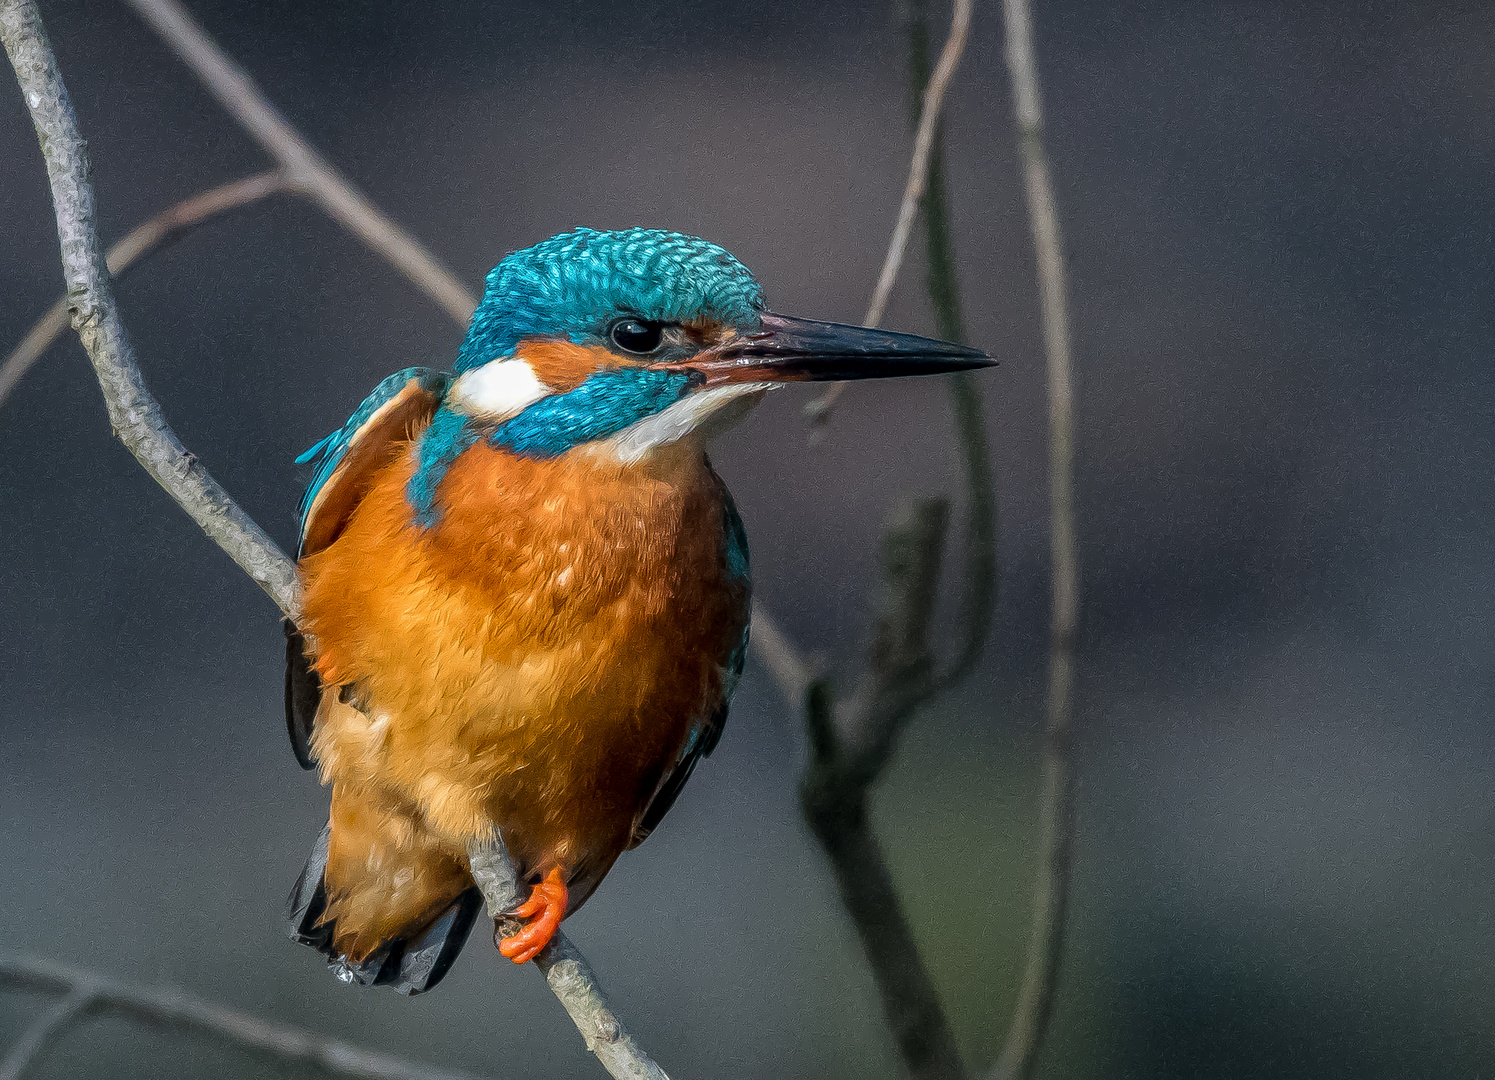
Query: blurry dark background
[(1278, 223)]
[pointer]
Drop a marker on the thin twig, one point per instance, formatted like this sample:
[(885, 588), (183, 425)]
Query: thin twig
[(138, 420), (308, 170), (133, 412), (171, 1008), (80, 998), (171, 224), (1051, 894), (913, 190), (978, 597)]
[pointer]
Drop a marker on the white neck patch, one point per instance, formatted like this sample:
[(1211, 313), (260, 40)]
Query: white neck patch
[(708, 411), (498, 390)]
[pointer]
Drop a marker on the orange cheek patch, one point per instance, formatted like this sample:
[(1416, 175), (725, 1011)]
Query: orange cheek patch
[(563, 366)]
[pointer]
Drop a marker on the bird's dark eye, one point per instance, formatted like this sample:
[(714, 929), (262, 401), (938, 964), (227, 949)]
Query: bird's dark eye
[(635, 335)]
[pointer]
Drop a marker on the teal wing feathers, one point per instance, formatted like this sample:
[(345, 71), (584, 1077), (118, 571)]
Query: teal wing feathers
[(345, 460)]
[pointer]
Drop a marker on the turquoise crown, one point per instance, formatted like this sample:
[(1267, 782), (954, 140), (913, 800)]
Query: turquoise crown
[(576, 283)]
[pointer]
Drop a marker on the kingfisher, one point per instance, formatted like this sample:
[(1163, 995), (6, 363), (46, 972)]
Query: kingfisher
[(526, 590)]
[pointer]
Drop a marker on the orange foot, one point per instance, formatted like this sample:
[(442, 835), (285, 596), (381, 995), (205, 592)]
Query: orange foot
[(547, 906)]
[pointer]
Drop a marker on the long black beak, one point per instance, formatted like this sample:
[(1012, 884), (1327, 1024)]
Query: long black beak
[(787, 349)]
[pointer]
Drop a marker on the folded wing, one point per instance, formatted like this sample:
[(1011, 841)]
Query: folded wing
[(345, 464)]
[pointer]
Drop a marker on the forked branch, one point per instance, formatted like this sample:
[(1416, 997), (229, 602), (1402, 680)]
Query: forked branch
[(852, 742)]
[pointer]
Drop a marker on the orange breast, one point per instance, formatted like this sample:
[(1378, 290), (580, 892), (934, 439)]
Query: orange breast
[(539, 658)]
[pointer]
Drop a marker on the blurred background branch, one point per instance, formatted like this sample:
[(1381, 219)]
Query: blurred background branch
[(84, 994), (305, 169), (929, 90), (134, 414), (1051, 893), (852, 741), (151, 235)]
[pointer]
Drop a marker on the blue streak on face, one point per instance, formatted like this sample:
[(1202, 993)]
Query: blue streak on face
[(440, 444), (605, 404), (574, 284)]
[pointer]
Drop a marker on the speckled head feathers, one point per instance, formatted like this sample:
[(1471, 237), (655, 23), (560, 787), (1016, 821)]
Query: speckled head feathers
[(575, 284)]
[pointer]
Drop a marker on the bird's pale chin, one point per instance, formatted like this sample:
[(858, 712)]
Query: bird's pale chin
[(703, 414)]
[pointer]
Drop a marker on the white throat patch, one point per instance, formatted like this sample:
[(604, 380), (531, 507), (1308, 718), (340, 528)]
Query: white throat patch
[(708, 412), (498, 390)]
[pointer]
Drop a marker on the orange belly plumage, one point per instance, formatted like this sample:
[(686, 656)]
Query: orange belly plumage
[(536, 661)]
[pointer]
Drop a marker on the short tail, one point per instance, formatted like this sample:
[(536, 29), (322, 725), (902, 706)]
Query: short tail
[(401, 925)]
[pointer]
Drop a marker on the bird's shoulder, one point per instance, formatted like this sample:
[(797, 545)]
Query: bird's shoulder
[(345, 461)]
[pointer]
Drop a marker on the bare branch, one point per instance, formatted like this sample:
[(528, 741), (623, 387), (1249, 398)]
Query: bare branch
[(979, 579), (308, 171), (566, 971), (918, 169), (901, 663), (1051, 894), (149, 236), (913, 190), (168, 1008), (978, 597), (849, 746), (47, 1026), (138, 421), (133, 412)]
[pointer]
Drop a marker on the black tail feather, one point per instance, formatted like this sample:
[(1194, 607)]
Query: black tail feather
[(411, 967)]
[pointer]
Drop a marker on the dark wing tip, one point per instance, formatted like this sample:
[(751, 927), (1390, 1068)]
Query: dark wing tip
[(303, 692)]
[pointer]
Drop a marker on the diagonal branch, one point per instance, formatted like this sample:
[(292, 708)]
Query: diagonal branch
[(152, 234), (84, 992), (1051, 894), (777, 652), (925, 137), (307, 170), (142, 427)]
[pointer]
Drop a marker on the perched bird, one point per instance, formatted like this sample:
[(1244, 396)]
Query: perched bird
[(526, 591)]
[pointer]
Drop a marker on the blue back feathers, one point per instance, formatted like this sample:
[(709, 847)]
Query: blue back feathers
[(574, 284)]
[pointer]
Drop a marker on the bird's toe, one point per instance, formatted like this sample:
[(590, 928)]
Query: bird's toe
[(544, 910)]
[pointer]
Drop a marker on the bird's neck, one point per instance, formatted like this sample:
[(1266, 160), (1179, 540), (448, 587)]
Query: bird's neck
[(452, 435)]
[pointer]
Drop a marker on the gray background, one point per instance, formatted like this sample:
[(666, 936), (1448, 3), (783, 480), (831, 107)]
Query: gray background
[(1279, 227)]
